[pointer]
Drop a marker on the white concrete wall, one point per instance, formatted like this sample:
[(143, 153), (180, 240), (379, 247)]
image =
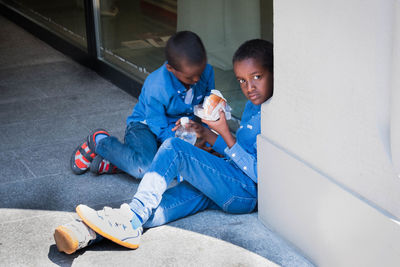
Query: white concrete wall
[(331, 105), (327, 223), (395, 96), (334, 114)]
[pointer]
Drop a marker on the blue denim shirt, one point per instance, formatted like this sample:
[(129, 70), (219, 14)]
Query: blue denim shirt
[(244, 152), (161, 102)]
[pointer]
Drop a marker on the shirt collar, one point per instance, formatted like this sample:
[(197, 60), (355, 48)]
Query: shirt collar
[(254, 108)]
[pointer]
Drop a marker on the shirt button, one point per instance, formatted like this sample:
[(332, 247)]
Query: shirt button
[(233, 155), (179, 92), (244, 168)]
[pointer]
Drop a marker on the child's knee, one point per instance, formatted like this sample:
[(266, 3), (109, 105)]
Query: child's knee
[(158, 218), (171, 143), (174, 142)]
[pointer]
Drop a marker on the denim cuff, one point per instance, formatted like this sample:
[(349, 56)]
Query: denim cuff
[(245, 161), (220, 145)]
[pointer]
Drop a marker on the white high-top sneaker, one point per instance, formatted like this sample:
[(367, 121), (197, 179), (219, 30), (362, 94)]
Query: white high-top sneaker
[(73, 236), (121, 226)]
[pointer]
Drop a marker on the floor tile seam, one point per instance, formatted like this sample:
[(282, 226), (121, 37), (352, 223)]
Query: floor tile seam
[(32, 62), (87, 81), (106, 90), (63, 93), (115, 95), (43, 93), (72, 73), (30, 179), (61, 57), (55, 143), (35, 176), (12, 152), (90, 129), (36, 101), (34, 98), (37, 64), (32, 146), (46, 213), (29, 170), (87, 128), (15, 81), (72, 141), (109, 113), (51, 174), (50, 118)]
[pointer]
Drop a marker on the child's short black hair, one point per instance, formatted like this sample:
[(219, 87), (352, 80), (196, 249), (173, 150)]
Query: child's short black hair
[(185, 45), (258, 49)]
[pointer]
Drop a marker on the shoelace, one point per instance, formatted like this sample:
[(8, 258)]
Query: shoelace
[(115, 218)]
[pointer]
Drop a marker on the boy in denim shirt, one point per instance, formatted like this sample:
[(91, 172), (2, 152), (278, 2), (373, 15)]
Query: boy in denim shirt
[(168, 93), (228, 183)]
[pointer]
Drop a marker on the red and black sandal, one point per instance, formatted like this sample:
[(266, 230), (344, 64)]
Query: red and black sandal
[(84, 154), (102, 166)]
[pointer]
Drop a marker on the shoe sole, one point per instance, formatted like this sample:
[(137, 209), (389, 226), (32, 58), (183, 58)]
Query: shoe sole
[(75, 168), (100, 232), (64, 242), (92, 147), (94, 166)]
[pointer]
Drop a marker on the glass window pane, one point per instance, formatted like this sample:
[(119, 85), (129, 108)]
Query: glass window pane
[(133, 34), (66, 18)]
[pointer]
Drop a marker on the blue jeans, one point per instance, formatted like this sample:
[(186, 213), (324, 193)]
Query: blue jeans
[(135, 155), (208, 181)]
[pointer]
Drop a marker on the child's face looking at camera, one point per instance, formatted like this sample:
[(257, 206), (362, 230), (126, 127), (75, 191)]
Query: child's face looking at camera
[(255, 81)]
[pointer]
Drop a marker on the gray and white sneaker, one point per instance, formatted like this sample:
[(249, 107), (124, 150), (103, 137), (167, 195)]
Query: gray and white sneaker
[(113, 224), (73, 236)]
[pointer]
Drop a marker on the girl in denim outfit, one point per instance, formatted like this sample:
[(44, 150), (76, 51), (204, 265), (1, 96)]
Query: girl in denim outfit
[(228, 183)]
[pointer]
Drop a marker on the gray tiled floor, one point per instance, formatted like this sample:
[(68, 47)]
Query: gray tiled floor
[(48, 104)]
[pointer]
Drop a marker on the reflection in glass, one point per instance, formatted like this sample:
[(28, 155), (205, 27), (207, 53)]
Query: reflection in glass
[(134, 32)]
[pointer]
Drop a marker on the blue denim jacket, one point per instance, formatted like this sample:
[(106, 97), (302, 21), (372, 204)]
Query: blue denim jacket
[(161, 102), (244, 152)]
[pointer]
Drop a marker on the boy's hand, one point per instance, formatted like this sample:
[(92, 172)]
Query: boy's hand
[(204, 135), (221, 127), (177, 124), (198, 128)]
